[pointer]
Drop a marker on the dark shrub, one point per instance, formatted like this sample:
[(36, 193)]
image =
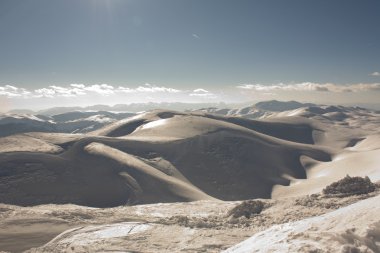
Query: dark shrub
[(247, 208), (350, 186)]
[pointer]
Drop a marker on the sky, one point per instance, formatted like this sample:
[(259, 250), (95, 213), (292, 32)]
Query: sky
[(84, 52)]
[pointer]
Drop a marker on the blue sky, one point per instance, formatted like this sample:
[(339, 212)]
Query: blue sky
[(225, 50)]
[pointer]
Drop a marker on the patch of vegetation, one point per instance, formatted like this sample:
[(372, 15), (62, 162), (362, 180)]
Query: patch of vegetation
[(349, 186), (5, 209), (194, 222), (247, 208), (308, 200), (317, 200)]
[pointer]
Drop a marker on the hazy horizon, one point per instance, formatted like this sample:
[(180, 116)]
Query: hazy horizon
[(176, 106)]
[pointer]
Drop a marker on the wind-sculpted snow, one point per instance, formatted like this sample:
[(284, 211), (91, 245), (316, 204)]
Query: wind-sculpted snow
[(199, 226), (92, 235), (168, 157), (354, 228), (179, 188)]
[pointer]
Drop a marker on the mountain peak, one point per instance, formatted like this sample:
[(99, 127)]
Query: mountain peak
[(280, 106)]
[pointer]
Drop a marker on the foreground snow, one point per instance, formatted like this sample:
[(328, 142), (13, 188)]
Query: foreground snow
[(355, 228), (200, 226), (83, 236)]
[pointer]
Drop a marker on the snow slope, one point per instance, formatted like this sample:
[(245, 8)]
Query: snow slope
[(355, 228), (75, 121), (166, 157)]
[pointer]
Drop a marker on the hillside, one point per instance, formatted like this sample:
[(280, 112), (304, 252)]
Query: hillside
[(70, 122), (113, 182)]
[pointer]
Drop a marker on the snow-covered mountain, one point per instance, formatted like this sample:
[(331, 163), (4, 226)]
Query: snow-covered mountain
[(203, 161), (133, 108), (258, 110), (84, 121), (278, 109), (76, 121)]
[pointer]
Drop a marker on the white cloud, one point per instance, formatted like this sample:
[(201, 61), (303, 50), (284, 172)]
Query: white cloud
[(67, 92), (309, 86), (142, 91), (10, 87), (8, 94), (376, 73), (125, 89), (80, 86), (152, 88), (44, 92), (202, 93), (58, 91), (195, 36), (102, 89), (12, 91), (200, 90), (75, 90)]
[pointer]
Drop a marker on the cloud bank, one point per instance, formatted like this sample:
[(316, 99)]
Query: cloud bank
[(12, 91), (105, 90), (309, 86), (77, 90), (84, 95), (12, 96)]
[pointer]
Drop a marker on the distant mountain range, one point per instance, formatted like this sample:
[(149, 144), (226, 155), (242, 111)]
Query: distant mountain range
[(134, 107), (69, 122), (165, 155), (272, 105), (274, 108), (82, 120)]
